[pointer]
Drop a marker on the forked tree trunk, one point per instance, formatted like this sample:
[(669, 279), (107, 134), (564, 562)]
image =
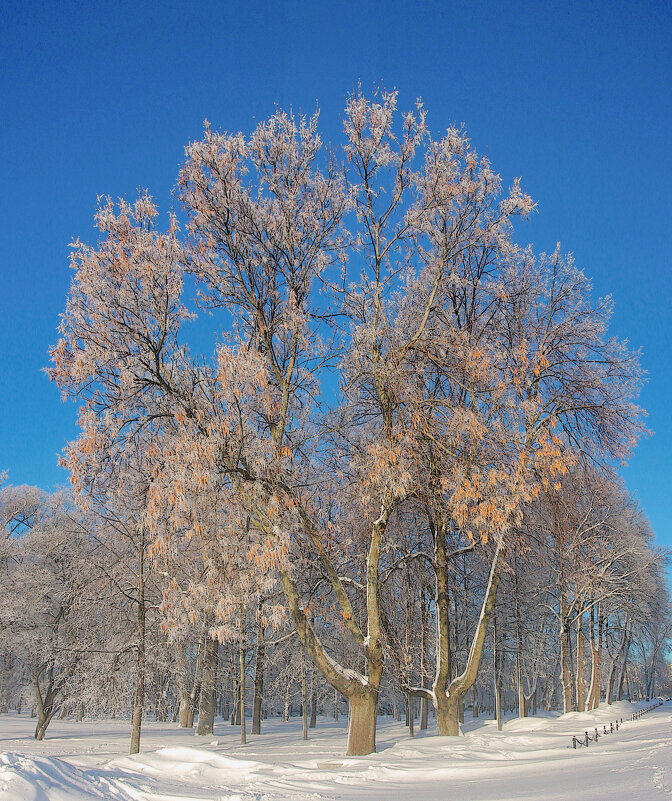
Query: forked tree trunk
[(360, 690), (447, 700), (45, 702)]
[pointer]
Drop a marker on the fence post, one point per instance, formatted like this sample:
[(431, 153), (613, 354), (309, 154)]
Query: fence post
[(587, 739)]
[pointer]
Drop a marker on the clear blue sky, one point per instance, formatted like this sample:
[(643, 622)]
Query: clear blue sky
[(101, 98)]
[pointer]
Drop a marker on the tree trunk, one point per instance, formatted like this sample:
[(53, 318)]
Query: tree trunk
[(139, 700), (304, 698), (258, 677), (362, 724), (623, 663), (447, 715), (285, 709), (580, 687), (447, 700), (206, 708), (45, 703), (313, 699), (497, 672), (565, 668), (361, 690), (595, 648), (520, 675), (424, 714), (241, 704)]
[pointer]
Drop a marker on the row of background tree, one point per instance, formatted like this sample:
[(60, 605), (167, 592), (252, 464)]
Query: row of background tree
[(72, 626)]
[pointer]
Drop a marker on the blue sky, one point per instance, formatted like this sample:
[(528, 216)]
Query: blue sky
[(101, 98)]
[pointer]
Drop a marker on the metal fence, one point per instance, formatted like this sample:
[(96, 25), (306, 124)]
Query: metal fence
[(610, 728)]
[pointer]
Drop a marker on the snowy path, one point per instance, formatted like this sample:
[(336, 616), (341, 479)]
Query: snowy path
[(530, 760)]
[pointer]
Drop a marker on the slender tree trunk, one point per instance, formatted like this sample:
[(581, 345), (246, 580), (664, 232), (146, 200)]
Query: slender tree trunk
[(497, 673), (313, 699), (424, 705), (243, 731), (520, 675), (285, 709), (623, 663), (258, 676), (304, 698), (580, 686), (595, 647), (139, 699), (565, 647)]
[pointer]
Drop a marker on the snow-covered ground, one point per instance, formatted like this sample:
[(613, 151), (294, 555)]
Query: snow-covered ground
[(530, 760)]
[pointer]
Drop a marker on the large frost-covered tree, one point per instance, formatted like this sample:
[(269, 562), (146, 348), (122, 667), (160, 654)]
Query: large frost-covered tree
[(389, 360)]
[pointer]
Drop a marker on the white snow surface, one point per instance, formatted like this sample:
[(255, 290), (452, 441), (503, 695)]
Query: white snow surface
[(530, 759)]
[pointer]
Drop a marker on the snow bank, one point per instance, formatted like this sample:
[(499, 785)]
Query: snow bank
[(52, 779), (530, 759)]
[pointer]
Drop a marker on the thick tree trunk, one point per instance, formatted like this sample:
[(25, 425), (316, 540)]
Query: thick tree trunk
[(362, 723), (447, 715), (206, 708)]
